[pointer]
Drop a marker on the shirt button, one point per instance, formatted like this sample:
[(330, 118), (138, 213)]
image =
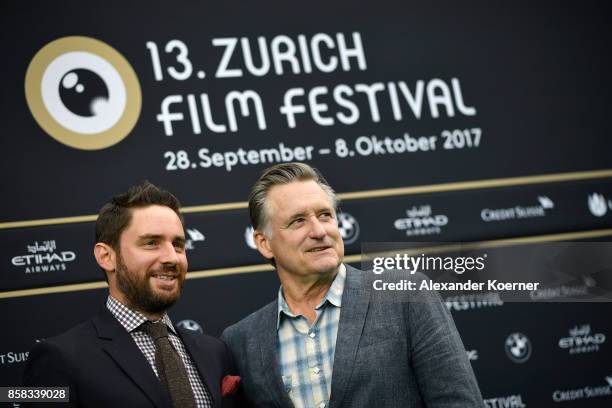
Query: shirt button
[(312, 335), (316, 370), (321, 405)]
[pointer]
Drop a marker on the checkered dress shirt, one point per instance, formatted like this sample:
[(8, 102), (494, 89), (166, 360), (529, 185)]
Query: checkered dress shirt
[(131, 320), (306, 353)]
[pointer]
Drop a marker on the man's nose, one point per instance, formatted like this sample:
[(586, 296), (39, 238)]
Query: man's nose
[(168, 254), (317, 229)]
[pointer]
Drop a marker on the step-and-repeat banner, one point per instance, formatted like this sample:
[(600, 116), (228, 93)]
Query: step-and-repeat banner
[(435, 122)]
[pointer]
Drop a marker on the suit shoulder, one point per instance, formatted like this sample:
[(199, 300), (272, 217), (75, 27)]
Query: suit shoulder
[(69, 339), (204, 340), (51, 361), (249, 323)]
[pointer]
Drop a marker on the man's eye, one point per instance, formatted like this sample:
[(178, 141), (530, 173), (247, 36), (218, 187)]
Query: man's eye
[(326, 216), (296, 222)]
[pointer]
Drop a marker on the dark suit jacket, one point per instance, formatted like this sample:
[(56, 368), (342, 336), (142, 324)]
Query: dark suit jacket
[(104, 367), (389, 353)]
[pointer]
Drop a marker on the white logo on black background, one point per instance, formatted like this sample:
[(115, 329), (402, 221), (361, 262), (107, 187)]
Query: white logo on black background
[(518, 347), (598, 205), (349, 228), (564, 291), (584, 392), (421, 221), (508, 401), (190, 325), (581, 340), (13, 357), (194, 236), (43, 257), (546, 202), (473, 301), (518, 211), (248, 237)]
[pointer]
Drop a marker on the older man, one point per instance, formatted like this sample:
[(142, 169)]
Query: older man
[(325, 342), (130, 354)]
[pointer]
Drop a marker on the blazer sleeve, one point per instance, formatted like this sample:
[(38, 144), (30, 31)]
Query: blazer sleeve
[(47, 366), (443, 372), (238, 399)]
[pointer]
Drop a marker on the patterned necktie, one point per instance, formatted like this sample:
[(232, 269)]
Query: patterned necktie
[(170, 368)]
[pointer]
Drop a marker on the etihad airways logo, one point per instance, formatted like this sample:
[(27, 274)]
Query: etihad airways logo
[(43, 257), (581, 340), (421, 221)]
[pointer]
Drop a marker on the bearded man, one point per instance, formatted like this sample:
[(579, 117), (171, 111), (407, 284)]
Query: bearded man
[(130, 354)]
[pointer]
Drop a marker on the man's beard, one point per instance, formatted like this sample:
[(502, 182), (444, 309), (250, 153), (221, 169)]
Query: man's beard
[(139, 294)]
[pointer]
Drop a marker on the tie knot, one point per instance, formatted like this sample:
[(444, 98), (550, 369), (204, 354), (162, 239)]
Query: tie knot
[(155, 330)]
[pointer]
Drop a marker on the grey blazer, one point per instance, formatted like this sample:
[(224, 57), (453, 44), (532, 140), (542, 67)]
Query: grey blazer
[(389, 353)]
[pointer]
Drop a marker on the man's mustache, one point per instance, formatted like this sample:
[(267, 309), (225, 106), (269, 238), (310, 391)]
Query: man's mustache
[(166, 268)]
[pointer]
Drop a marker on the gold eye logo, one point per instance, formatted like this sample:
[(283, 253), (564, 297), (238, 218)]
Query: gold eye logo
[(83, 93)]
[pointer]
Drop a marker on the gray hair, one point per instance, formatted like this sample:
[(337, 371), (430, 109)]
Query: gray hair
[(283, 173)]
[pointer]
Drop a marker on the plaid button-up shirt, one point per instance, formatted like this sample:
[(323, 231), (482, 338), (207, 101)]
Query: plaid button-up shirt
[(306, 353), (131, 320)]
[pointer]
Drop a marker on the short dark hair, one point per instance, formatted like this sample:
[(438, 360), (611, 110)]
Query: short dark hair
[(283, 173), (116, 215)]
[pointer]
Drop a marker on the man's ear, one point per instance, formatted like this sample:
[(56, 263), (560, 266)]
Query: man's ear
[(262, 243), (105, 256)]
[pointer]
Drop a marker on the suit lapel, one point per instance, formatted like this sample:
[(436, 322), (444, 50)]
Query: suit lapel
[(267, 339), (355, 301), (202, 360), (120, 346)]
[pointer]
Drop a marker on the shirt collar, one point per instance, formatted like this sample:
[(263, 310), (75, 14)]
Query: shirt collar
[(131, 319), (333, 295)]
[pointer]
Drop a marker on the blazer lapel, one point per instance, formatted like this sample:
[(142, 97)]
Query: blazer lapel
[(355, 301), (201, 359), (267, 339), (120, 346)]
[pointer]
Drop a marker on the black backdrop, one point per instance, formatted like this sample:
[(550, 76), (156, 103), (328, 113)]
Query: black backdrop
[(515, 96)]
